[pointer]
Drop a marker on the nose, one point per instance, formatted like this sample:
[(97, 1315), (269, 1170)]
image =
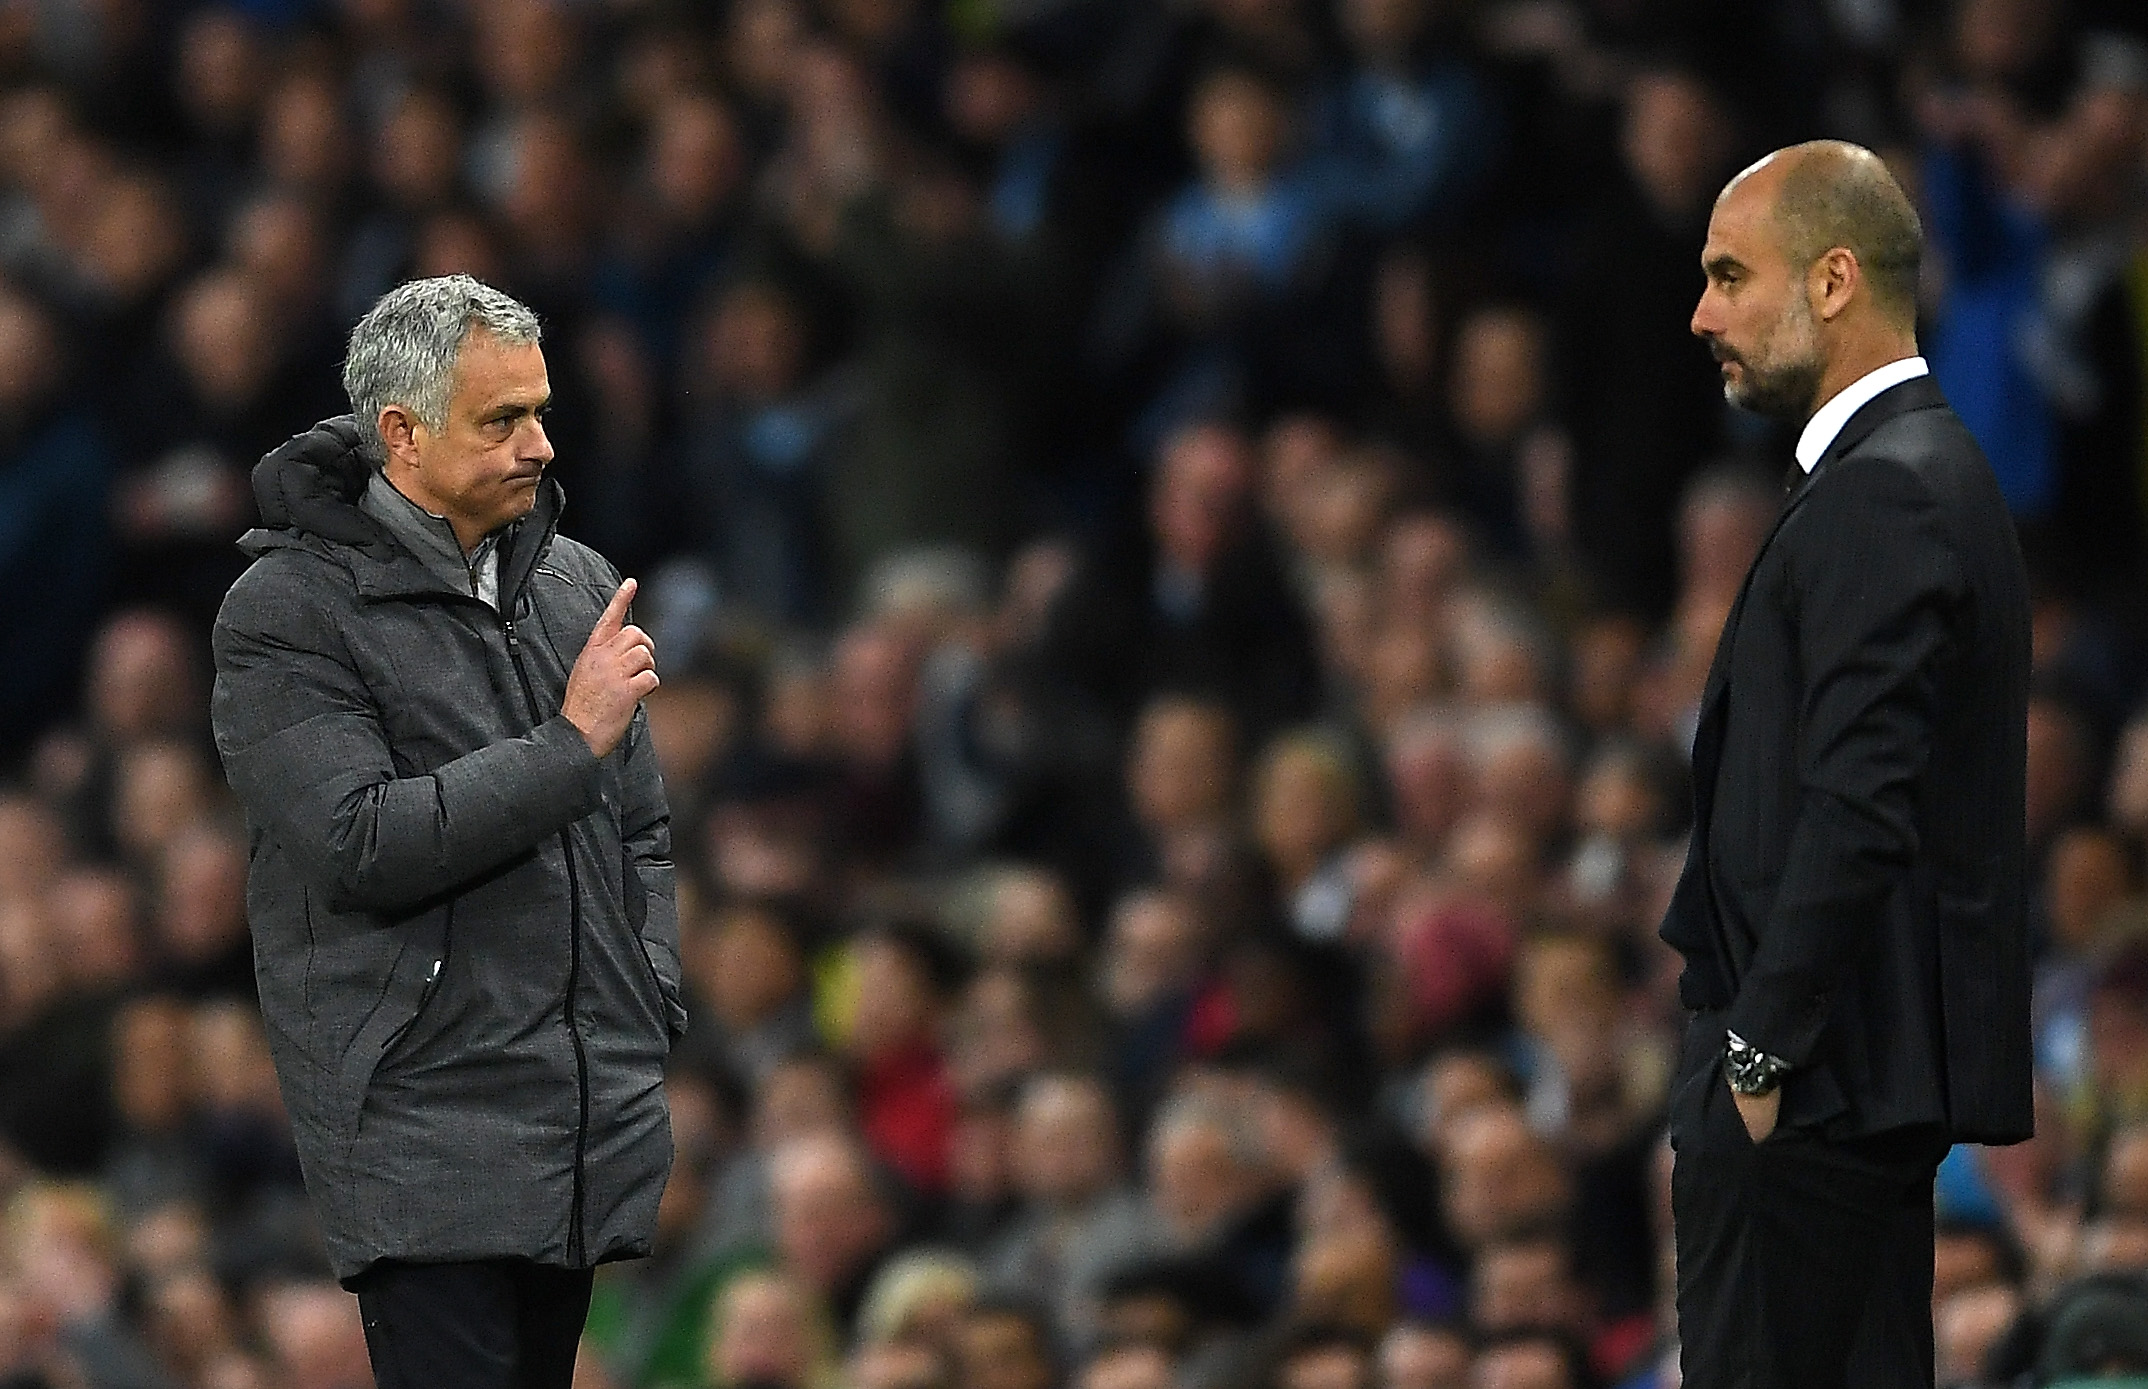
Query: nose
[(1706, 321), (539, 445)]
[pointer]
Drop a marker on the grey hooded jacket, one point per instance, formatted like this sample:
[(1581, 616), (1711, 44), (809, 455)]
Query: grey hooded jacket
[(463, 921)]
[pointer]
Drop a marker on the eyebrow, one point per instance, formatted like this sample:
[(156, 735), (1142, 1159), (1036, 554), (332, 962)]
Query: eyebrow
[(514, 410)]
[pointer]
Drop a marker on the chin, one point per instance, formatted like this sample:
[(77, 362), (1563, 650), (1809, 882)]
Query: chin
[(515, 509)]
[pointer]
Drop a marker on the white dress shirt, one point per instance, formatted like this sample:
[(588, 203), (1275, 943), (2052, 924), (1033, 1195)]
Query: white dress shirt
[(1827, 421)]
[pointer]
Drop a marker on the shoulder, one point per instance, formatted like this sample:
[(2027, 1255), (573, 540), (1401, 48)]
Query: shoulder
[(1874, 473), (290, 602), (1927, 454), (1932, 429), (571, 586), (287, 585), (1880, 520), (1869, 494), (580, 565)]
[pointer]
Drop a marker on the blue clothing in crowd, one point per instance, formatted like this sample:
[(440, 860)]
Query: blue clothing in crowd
[(1992, 250), (1263, 239), (54, 552), (1393, 151)]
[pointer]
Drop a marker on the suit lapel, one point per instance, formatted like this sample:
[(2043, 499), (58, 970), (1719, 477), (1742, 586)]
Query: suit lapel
[(1719, 668), (1917, 393)]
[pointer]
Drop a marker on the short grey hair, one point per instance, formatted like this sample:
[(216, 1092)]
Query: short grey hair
[(403, 352)]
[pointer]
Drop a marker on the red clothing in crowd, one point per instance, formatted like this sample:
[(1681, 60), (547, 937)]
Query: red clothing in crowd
[(906, 1104)]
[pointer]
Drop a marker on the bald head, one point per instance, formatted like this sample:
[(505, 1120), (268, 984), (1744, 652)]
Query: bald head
[(1811, 262), (1829, 194)]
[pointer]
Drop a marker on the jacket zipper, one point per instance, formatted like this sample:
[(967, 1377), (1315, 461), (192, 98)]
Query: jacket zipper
[(576, 1240)]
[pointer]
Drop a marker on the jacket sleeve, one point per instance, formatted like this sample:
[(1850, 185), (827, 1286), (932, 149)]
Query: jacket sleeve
[(1875, 593), (645, 826), (305, 749)]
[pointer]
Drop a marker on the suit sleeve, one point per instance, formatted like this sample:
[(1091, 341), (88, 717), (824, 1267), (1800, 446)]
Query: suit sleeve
[(1876, 588), (305, 749)]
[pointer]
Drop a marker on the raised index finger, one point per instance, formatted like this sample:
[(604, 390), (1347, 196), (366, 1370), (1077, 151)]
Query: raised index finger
[(614, 614)]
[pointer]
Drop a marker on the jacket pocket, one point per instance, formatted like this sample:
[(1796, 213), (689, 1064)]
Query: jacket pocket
[(634, 890), (413, 979), (670, 1007), (430, 989), (667, 1006)]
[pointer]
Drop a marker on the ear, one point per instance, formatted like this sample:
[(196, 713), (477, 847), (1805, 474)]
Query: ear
[(400, 434), (1833, 281)]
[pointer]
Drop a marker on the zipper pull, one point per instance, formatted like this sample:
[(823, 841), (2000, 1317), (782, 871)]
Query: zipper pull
[(514, 643)]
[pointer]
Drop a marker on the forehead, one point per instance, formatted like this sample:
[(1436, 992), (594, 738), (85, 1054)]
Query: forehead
[(489, 370), (1741, 225)]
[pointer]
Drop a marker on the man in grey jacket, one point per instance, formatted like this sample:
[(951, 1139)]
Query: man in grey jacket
[(460, 889)]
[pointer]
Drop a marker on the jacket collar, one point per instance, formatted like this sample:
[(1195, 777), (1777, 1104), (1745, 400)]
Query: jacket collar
[(1827, 421), (1917, 393), (429, 538), (309, 490)]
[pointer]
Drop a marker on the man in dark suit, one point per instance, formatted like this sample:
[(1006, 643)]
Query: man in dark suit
[(1851, 912)]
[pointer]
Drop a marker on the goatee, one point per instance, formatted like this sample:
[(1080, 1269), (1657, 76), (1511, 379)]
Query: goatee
[(1786, 392)]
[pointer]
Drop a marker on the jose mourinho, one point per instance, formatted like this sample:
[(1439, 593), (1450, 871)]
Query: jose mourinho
[(428, 701)]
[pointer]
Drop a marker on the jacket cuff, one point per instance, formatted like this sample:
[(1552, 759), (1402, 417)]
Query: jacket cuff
[(581, 779), (1784, 1028)]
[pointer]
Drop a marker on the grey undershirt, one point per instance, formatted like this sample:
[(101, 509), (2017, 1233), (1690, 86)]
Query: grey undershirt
[(432, 540)]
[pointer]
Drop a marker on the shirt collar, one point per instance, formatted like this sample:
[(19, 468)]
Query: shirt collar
[(1828, 420)]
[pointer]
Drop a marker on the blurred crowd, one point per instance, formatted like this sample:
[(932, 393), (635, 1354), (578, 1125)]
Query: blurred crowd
[(1184, 538)]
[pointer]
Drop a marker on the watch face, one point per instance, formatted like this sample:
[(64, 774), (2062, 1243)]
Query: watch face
[(1754, 1074)]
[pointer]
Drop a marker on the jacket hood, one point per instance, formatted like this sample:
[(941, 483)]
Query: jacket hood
[(309, 487), (311, 484)]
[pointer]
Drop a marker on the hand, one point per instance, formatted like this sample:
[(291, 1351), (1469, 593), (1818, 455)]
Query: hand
[(616, 669), (1759, 1112)]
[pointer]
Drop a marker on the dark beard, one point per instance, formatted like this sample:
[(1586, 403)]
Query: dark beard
[(1786, 392)]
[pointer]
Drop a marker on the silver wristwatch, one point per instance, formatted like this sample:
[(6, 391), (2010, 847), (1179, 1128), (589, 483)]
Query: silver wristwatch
[(1750, 1070)]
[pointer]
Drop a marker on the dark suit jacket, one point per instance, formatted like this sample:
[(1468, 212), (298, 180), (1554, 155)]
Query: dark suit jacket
[(1853, 900)]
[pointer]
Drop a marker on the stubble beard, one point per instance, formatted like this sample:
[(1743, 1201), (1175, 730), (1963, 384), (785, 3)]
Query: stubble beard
[(1787, 387)]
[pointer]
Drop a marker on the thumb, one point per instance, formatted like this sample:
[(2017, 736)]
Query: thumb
[(614, 614)]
